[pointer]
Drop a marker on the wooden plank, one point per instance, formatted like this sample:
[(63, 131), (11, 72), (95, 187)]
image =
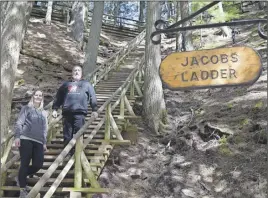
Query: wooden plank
[(90, 175), (118, 142), (87, 152), (53, 157), (42, 171), (107, 135), (128, 106), (60, 146), (122, 104), (47, 164), (115, 128), (88, 190), (78, 165), (62, 189), (6, 151), (75, 194), (137, 88), (10, 163)]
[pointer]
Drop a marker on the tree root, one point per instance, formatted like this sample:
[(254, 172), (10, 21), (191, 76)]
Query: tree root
[(164, 128)]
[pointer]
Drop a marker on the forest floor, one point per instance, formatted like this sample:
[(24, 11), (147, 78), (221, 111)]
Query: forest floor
[(221, 154)]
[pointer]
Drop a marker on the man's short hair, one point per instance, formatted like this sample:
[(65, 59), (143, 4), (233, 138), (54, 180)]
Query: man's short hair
[(77, 66)]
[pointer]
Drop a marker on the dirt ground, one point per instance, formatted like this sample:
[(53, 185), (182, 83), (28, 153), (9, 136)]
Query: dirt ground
[(217, 145)]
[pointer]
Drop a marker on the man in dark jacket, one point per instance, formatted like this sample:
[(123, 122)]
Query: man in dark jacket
[(74, 97)]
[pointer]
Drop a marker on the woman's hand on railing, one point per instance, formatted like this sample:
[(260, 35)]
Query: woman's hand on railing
[(17, 142)]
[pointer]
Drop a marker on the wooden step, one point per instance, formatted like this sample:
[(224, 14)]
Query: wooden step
[(43, 171), (58, 190), (48, 164), (87, 152), (52, 158), (89, 146)]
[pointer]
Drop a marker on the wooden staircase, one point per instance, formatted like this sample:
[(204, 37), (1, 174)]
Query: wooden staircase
[(117, 85)]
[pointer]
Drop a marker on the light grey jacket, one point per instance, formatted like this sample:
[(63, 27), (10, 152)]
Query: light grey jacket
[(32, 123)]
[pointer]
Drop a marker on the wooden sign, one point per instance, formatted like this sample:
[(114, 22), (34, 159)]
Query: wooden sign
[(211, 68)]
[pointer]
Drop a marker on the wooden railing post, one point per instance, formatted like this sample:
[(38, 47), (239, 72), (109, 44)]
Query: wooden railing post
[(106, 75), (128, 106), (107, 122), (7, 148), (122, 104), (132, 91), (137, 86), (78, 168), (139, 76), (94, 79)]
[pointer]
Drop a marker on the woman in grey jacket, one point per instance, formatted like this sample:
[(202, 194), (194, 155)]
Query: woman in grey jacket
[(30, 136)]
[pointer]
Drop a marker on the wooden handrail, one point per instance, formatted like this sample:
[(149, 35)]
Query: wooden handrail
[(118, 55)]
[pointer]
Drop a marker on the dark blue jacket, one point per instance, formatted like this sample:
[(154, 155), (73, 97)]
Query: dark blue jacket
[(75, 96)]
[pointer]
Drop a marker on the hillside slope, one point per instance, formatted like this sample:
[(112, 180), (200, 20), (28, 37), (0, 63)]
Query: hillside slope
[(202, 160)]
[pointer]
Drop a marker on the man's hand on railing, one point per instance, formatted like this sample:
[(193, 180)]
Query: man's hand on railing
[(94, 114), (54, 113), (45, 147)]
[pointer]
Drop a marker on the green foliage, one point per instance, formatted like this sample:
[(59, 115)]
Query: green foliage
[(21, 81), (223, 140), (197, 5), (230, 106), (225, 150), (258, 105), (230, 11), (244, 122)]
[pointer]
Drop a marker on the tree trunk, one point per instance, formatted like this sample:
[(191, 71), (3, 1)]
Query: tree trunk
[(27, 17), (178, 35), (77, 21), (94, 38), (141, 16), (116, 12), (13, 25), (49, 12), (187, 43), (153, 101), (170, 9), (225, 29), (167, 10)]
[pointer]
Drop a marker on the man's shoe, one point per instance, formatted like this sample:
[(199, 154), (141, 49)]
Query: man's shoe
[(23, 193)]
